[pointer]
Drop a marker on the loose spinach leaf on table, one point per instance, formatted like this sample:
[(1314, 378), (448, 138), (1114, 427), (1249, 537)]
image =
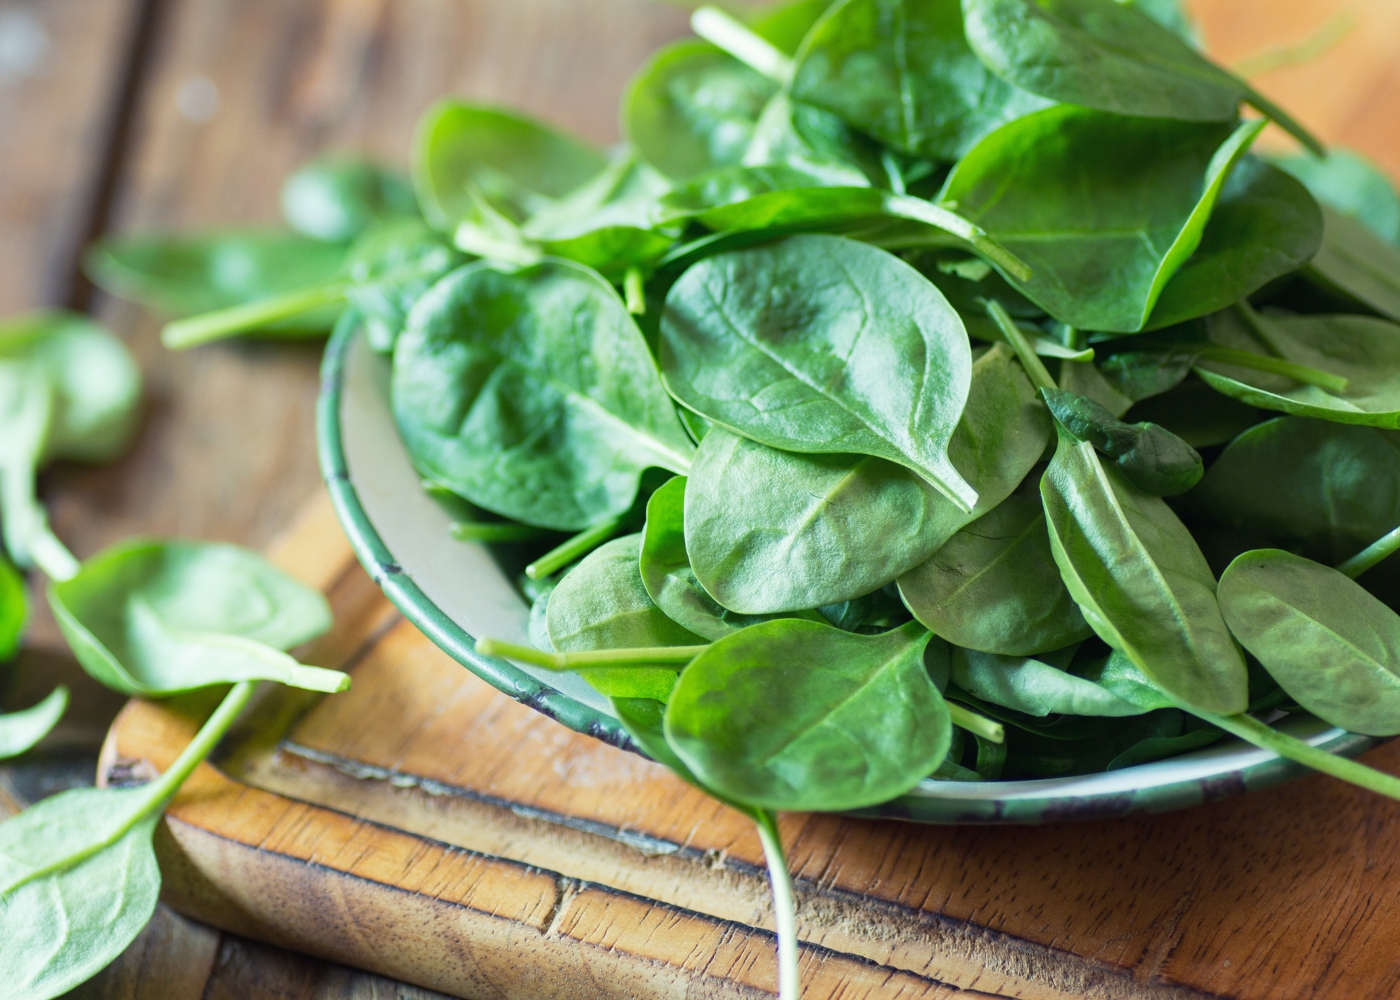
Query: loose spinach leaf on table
[(1332, 646), (19, 731), (1154, 460), (1358, 265), (1104, 209), (1351, 184), (795, 715), (602, 603), (995, 587), (158, 618), (902, 71), (466, 155), (533, 394), (338, 198), (1034, 687), (763, 341), (769, 530), (1140, 580)]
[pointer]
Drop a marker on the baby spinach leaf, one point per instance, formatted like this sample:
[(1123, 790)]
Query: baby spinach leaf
[(764, 342), (1332, 646), (1351, 184), (337, 198), (796, 715), (157, 618), (994, 587), (465, 154), (693, 108), (666, 571), (1153, 459), (1357, 264), (390, 268), (902, 71), (532, 394), (1327, 490), (769, 530), (21, 730), (1105, 210), (1029, 685), (1140, 580), (602, 604), (187, 275), (1361, 352), (1111, 57), (14, 609)]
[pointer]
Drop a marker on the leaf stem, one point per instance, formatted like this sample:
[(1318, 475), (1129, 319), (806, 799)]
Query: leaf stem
[(1274, 366), (573, 549), (733, 36), (1034, 367), (1371, 554), (51, 555), (784, 905), (905, 206), (493, 531), (634, 291), (977, 725), (208, 327), (646, 656), (1251, 730)]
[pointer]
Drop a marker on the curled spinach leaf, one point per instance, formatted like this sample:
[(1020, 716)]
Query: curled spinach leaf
[(19, 731), (1153, 459), (1032, 686), (532, 394)]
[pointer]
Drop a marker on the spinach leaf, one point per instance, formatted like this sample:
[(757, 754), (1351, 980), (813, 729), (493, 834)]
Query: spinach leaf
[(338, 198), (467, 155), (156, 618), (994, 587), (785, 25), (1352, 185), (1356, 264), (1111, 57), (902, 71), (1104, 209), (769, 530), (1140, 580), (14, 610), (1327, 490), (667, 574), (796, 715), (532, 394), (602, 604), (764, 342), (1038, 689), (21, 730), (390, 268), (812, 139), (1153, 459), (1332, 646), (187, 275), (1362, 353), (693, 108)]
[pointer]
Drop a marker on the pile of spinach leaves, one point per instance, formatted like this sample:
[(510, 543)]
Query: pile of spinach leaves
[(923, 390)]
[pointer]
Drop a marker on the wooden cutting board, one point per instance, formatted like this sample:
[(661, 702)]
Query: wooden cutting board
[(426, 827)]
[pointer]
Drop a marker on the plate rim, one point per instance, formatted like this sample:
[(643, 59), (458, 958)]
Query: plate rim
[(919, 805)]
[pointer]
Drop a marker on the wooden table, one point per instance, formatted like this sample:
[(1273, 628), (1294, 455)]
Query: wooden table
[(108, 125)]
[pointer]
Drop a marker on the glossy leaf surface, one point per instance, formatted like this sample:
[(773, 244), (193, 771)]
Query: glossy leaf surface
[(796, 715), (532, 394)]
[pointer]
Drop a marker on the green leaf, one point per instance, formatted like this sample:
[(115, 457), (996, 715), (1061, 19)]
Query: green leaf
[(902, 71), (59, 924), (391, 267), (21, 730), (769, 530), (1352, 185), (466, 151), (994, 587), (187, 275), (1332, 646), (1358, 265), (1036, 688), (1324, 489), (1105, 210), (796, 715), (667, 574), (784, 25), (693, 108), (337, 198), (602, 604), (1140, 580), (761, 341), (14, 609), (532, 394), (1362, 352), (156, 618), (1153, 459)]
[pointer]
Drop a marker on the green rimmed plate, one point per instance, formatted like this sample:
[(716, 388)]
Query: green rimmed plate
[(454, 590)]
